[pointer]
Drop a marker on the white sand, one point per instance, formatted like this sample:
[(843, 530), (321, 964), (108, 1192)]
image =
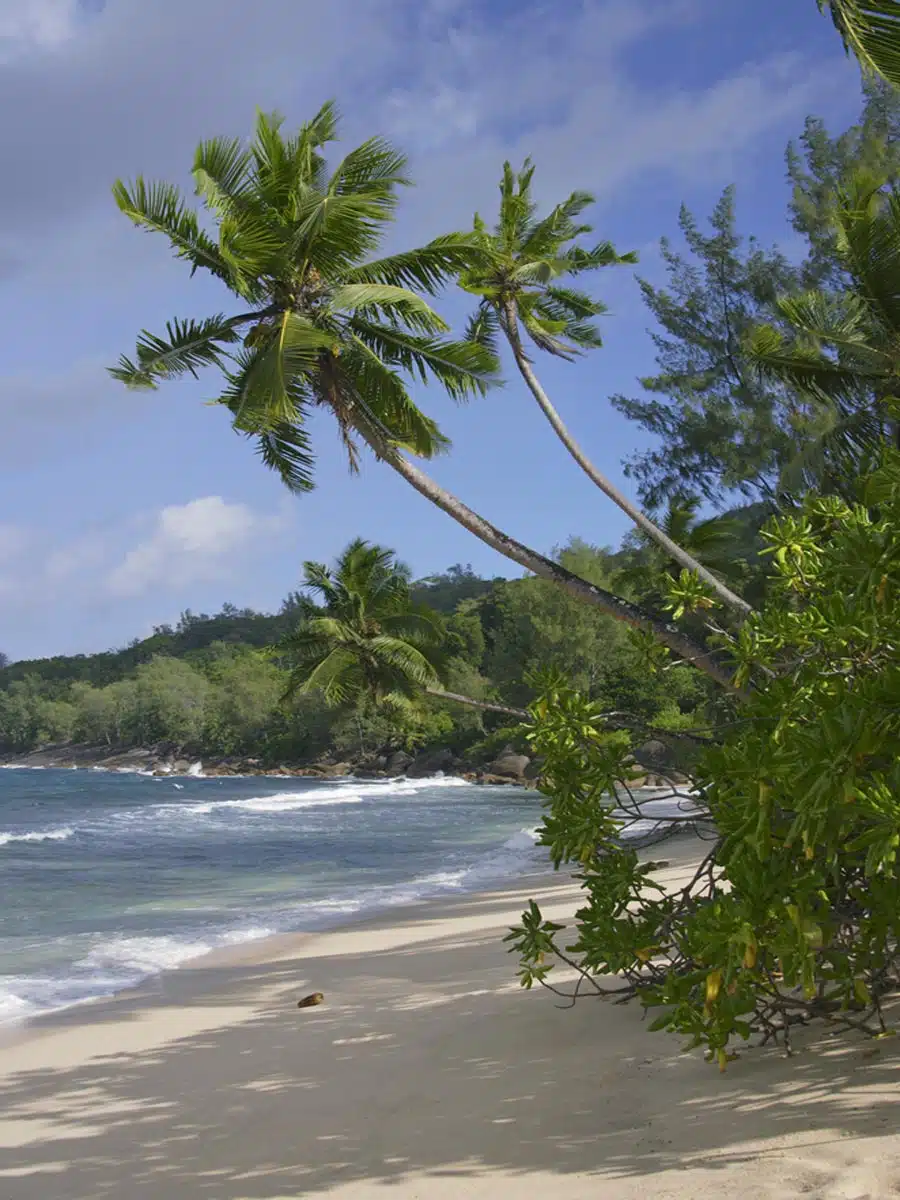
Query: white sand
[(429, 1074)]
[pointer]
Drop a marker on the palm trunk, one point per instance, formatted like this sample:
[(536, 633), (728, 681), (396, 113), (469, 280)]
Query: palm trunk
[(481, 705), (538, 564), (643, 522)]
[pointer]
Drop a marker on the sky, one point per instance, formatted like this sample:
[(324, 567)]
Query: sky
[(119, 511)]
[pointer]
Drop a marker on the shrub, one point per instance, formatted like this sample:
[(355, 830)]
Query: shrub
[(795, 911)]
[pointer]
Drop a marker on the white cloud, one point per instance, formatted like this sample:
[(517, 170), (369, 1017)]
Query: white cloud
[(190, 542), (35, 24)]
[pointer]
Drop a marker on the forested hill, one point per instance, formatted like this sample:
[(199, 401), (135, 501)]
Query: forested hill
[(208, 685), (196, 632)]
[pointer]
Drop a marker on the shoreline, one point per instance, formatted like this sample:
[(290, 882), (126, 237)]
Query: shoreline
[(427, 1071)]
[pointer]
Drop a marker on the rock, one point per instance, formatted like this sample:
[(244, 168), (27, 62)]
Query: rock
[(490, 780), (510, 765), (431, 762), (398, 763), (534, 768), (653, 755), (340, 768)]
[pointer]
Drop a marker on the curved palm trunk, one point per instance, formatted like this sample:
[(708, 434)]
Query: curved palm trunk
[(481, 705), (643, 522), (545, 568)]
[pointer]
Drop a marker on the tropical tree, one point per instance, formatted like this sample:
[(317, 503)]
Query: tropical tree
[(368, 640), (324, 325), (870, 29), (522, 286), (840, 350)]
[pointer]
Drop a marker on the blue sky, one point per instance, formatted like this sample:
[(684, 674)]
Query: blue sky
[(116, 511)]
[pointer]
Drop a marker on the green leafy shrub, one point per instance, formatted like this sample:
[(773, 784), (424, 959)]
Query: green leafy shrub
[(795, 911)]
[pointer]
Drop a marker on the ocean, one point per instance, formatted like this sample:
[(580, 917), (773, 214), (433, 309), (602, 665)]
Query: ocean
[(109, 877)]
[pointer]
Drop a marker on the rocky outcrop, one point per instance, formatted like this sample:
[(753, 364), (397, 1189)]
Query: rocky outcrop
[(509, 765), (398, 763), (431, 762)]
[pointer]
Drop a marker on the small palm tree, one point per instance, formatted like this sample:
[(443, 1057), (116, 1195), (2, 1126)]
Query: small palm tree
[(522, 286), (325, 325), (369, 639), (871, 30), (842, 353)]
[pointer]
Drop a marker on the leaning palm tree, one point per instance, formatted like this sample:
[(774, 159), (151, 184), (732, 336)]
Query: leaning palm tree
[(870, 29), (523, 287), (841, 352), (323, 324), (367, 638)]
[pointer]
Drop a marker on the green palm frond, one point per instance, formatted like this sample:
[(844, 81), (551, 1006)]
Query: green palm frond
[(463, 368), (394, 304), (427, 269), (483, 329), (870, 30), (286, 449), (222, 176), (404, 657), (374, 169), (160, 208), (382, 399), (188, 346)]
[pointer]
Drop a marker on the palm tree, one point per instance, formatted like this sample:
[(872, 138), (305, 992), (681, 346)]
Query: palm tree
[(326, 325), (369, 639), (870, 29), (842, 353), (521, 284)]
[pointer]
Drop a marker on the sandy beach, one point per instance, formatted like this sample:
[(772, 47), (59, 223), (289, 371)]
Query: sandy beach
[(427, 1072)]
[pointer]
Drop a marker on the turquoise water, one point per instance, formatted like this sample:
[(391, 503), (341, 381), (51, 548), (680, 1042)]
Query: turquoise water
[(109, 877)]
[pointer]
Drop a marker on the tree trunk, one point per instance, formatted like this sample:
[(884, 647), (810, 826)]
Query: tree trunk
[(643, 522), (482, 705), (623, 610)]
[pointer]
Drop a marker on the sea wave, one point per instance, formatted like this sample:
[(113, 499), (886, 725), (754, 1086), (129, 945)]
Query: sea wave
[(351, 792), (37, 835)]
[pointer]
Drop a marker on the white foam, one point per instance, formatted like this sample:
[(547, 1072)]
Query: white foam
[(195, 770), (38, 835), (353, 792), (142, 956), (276, 803)]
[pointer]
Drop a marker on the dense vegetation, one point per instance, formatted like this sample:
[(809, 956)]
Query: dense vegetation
[(211, 685)]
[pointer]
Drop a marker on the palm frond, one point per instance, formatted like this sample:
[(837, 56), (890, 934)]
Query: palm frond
[(383, 300), (463, 368), (517, 207), (286, 449), (483, 329), (188, 346), (427, 269), (405, 657), (222, 174), (870, 29), (160, 208), (375, 169), (381, 396), (805, 367)]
